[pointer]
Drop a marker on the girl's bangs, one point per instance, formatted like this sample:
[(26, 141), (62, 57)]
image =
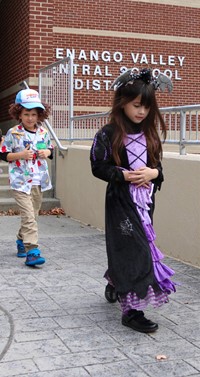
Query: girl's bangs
[(147, 96), (139, 88)]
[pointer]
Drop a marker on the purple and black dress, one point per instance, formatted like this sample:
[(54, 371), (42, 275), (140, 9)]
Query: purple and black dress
[(135, 266)]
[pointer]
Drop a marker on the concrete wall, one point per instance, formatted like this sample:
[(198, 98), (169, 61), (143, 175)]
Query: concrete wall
[(81, 194), (177, 214)]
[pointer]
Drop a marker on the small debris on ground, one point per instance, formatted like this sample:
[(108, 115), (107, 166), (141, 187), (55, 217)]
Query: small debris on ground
[(54, 211), (161, 357), (10, 212)]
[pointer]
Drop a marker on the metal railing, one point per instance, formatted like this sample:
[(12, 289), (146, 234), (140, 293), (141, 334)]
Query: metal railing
[(182, 125), (49, 127), (85, 126), (56, 89)]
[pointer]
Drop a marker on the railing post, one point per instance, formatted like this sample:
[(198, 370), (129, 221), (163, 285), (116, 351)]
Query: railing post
[(40, 84), (182, 150), (71, 97)]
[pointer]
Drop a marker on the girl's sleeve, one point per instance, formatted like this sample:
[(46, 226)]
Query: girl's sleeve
[(102, 163), (160, 178)]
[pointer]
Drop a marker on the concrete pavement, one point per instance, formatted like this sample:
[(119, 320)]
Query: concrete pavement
[(55, 322)]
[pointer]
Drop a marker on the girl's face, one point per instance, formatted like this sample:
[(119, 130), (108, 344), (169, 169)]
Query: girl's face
[(29, 118), (135, 111)]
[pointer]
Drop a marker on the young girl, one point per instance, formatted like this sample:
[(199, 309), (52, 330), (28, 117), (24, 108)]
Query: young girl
[(26, 147), (127, 154)]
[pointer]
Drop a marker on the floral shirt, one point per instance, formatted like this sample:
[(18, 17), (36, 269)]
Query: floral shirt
[(22, 172)]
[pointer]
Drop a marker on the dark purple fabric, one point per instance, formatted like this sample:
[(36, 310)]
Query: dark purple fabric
[(141, 196)]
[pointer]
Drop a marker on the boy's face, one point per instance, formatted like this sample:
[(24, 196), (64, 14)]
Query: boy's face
[(29, 118)]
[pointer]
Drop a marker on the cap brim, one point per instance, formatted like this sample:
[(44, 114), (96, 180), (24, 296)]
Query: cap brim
[(32, 105)]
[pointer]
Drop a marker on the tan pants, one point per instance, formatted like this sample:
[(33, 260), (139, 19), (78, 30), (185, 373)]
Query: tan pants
[(29, 206)]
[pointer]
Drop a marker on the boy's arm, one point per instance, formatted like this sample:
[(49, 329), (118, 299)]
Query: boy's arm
[(51, 155), (3, 156), (48, 148), (26, 154), (7, 156), (7, 149), (45, 153)]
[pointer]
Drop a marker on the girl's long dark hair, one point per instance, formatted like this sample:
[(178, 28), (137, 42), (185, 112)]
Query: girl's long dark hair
[(149, 125)]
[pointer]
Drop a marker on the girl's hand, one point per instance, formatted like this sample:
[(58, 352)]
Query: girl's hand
[(141, 177), (43, 153)]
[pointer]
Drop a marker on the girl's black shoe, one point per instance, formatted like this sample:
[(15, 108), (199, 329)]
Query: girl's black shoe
[(138, 322), (110, 293)]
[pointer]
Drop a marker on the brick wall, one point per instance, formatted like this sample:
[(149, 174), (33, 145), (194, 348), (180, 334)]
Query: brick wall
[(14, 41), (25, 44), (186, 90), (41, 36), (28, 42), (134, 17), (127, 15)]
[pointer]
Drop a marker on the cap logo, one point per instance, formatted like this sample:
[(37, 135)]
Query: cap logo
[(31, 97)]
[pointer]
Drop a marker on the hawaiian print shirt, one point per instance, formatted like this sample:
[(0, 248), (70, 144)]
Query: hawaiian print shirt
[(21, 172)]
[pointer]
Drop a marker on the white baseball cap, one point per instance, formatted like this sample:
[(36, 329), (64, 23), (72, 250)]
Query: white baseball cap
[(29, 99)]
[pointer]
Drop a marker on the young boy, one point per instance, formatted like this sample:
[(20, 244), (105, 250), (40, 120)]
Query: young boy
[(26, 147), (1, 137)]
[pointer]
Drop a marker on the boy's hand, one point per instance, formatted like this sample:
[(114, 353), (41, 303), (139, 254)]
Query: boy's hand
[(43, 153), (27, 153)]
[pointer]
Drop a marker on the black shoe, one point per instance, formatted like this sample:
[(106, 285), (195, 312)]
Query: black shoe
[(139, 323), (110, 293)]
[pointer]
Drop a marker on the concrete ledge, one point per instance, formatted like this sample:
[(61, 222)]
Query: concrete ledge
[(177, 214)]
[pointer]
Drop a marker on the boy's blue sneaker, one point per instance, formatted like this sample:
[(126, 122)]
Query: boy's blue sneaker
[(33, 258), (21, 253)]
